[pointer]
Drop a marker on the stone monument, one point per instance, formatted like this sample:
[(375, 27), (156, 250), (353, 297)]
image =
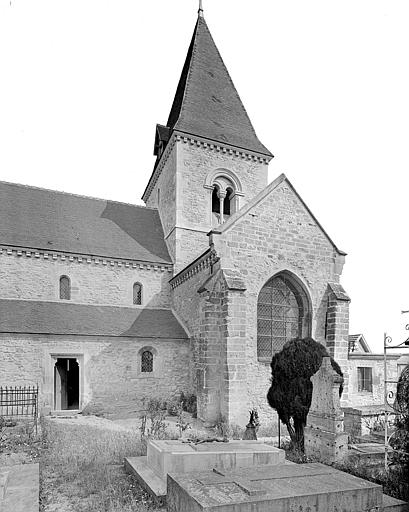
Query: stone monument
[(282, 488), (324, 436), (183, 457)]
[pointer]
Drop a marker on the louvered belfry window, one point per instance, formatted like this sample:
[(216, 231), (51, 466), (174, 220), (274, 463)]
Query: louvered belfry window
[(280, 316), (65, 288), (147, 362), (137, 293)]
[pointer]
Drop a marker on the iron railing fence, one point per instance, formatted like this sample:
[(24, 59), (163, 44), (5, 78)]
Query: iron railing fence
[(19, 401)]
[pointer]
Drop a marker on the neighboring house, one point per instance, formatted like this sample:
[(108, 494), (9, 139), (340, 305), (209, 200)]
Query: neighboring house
[(105, 303), (366, 372)]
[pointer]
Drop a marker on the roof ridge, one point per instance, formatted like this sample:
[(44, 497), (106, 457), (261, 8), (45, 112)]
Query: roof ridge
[(189, 73), (73, 194)]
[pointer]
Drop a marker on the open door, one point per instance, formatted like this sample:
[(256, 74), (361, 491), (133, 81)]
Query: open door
[(66, 384)]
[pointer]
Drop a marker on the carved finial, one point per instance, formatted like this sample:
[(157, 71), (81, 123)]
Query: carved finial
[(200, 12)]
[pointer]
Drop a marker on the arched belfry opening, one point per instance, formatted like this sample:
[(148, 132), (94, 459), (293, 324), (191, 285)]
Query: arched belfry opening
[(227, 204), (283, 314), (225, 193), (215, 200)]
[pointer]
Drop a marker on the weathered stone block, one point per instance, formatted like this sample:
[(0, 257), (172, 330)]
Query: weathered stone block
[(282, 488), (164, 457)]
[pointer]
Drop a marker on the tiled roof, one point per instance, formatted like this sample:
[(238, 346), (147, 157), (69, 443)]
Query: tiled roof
[(206, 103), (55, 221), (354, 339), (38, 317)]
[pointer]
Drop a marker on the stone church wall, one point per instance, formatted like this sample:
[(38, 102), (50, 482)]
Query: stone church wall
[(38, 279), (277, 234), (188, 304), (109, 368), (195, 164)]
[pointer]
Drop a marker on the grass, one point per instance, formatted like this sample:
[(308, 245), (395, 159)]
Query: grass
[(81, 470)]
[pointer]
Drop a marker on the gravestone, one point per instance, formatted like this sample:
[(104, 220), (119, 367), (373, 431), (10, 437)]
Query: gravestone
[(324, 436), (280, 488), (175, 456)]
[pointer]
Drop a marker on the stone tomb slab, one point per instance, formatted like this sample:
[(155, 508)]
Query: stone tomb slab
[(176, 457), (282, 488), (165, 457)]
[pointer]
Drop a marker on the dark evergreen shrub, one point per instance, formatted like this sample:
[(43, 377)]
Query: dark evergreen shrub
[(290, 392)]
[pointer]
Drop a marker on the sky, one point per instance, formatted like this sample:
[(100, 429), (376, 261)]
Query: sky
[(84, 82)]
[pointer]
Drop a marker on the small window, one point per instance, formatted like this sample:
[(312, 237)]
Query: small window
[(147, 362), (365, 379), (137, 294), (65, 288)]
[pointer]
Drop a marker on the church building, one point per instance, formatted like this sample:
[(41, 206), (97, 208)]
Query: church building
[(104, 303)]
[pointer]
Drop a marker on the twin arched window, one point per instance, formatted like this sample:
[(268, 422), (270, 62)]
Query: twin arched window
[(65, 288), (137, 294), (225, 190), (282, 315)]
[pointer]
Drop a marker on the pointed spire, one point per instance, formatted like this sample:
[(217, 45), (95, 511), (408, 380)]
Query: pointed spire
[(206, 103)]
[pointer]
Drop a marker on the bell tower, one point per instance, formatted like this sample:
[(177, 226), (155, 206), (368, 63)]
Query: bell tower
[(209, 160)]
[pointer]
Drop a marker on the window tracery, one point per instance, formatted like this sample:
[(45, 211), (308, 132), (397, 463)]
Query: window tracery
[(282, 315), (147, 361)]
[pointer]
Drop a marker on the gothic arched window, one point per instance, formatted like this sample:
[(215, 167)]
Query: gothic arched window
[(147, 361), (65, 288), (282, 315), (137, 294)]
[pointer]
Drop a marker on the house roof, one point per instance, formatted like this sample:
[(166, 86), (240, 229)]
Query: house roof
[(354, 340), (56, 221), (39, 317), (206, 103)]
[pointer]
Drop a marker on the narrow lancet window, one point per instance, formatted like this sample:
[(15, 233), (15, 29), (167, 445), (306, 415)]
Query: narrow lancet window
[(137, 294), (65, 288)]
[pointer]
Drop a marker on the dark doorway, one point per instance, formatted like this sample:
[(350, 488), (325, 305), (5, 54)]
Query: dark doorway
[(66, 384)]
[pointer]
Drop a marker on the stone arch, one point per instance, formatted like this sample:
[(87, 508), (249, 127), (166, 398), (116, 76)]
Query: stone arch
[(212, 176), (226, 189), (283, 313)]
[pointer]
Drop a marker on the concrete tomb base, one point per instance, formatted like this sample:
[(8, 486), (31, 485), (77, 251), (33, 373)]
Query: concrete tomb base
[(280, 488), (165, 457)]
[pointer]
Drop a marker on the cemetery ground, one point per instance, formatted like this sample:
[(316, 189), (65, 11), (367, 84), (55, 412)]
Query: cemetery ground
[(81, 461)]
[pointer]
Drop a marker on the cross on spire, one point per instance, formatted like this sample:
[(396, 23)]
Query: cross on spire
[(200, 8)]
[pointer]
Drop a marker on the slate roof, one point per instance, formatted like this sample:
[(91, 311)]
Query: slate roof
[(55, 221), (39, 317), (206, 103)]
